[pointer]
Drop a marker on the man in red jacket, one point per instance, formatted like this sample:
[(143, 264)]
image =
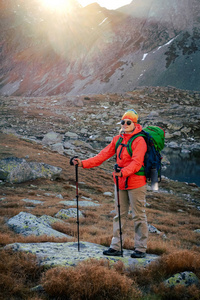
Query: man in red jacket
[(132, 183)]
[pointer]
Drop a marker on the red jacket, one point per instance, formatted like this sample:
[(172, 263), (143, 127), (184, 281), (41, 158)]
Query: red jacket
[(130, 165)]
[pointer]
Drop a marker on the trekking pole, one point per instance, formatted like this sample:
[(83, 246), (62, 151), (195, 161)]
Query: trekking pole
[(77, 221), (116, 168)]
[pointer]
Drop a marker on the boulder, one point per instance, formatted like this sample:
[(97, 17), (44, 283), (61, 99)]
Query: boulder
[(68, 213), (183, 278), (58, 147), (71, 135), (27, 224), (173, 145), (17, 170), (52, 138), (67, 254), (42, 170)]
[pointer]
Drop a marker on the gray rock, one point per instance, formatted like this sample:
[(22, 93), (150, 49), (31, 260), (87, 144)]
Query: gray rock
[(67, 254), (195, 147), (52, 138), (173, 145), (16, 170), (68, 145), (82, 144), (42, 170), (108, 139), (68, 213), (197, 231), (109, 194), (49, 220), (184, 278), (69, 152), (59, 196), (81, 203), (86, 198), (58, 147), (71, 135), (153, 229), (32, 201), (153, 114), (27, 224), (3, 174)]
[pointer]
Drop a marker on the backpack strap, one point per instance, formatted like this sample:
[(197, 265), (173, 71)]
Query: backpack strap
[(129, 148), (141, 172), (118, 143)]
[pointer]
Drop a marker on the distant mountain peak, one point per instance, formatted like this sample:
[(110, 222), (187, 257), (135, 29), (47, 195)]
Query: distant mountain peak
[(94, 50)]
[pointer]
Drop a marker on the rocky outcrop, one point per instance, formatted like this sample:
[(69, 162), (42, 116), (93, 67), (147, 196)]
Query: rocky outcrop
[(28, 224), (62, 254), (67, 254), (182, 279), (16, 170), (52, 138), (65, 214)]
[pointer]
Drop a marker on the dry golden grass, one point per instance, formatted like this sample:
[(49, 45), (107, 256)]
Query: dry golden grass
[(89, 280), (152, 277), (18, 272), (170, 214), (6, 238)]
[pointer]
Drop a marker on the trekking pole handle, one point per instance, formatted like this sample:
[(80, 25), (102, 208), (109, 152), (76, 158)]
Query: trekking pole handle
[(117, 168), (71, 160)]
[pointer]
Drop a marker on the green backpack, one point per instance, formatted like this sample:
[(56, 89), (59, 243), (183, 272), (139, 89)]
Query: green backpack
[(154, 137)]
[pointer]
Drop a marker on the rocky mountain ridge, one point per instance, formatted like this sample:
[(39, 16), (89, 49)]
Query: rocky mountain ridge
[(95, 50), (95, 119)]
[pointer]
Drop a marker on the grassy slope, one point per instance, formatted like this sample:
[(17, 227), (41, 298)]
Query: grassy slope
[(169, 212)]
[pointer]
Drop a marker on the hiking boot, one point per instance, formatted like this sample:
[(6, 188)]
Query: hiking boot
[(138, 254), (112, 252)]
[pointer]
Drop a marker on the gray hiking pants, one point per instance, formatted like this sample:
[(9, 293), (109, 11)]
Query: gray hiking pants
[(136, 198)]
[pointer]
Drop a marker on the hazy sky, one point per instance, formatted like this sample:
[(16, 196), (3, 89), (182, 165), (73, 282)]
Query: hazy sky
[(110, 4)]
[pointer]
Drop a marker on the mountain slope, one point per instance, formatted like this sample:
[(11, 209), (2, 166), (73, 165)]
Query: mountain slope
[(95, 50)]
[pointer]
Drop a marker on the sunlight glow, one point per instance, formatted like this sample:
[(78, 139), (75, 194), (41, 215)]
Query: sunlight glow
[(109, 4), (60, 5), (55, 4)]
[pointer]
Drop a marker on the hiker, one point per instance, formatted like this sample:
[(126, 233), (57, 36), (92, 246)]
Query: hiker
[(131, 183)]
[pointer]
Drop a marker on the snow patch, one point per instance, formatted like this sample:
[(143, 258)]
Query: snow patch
[(164, 45), (144, 56), (103, 21)]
